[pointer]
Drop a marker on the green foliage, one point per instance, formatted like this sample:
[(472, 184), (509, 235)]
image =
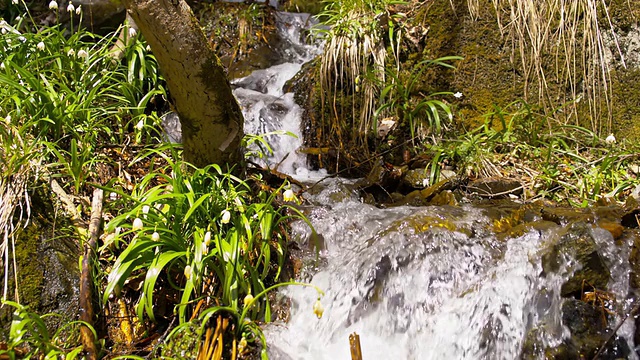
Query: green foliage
[(563, 162), (197, 223), (29, 333), (64, 92), (399, 98)]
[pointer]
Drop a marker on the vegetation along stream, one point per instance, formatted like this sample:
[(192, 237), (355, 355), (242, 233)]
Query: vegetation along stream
[(439, 179)]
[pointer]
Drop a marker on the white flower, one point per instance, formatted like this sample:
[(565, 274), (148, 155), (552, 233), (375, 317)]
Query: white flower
[(204, 248), (18, 18), (137, 224), (145, 209), (187, 272), (2, 66), (78, 9), (207, 238), (148, 48), (318, 309), (83, 54), (113, 196), (226, 217), (71, 52), (14, 2), (155, 236), (53, 5), (4, 31), (70, 7), (3, 23), (140, 125), (610, 139), (132, 32), (40, 46), (7, 118), (288, 195), (458, 95), (22, 38)]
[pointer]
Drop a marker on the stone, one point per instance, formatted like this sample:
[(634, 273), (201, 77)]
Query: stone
[(577, 242), (495, 187)]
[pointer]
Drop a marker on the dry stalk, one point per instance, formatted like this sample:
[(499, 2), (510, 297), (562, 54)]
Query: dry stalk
[(568, 30)]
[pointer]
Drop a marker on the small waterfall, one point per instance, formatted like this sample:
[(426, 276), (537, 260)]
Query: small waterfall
[(415, 283)]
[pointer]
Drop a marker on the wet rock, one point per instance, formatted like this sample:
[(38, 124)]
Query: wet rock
[(634, 263), (172, 127), (614, 228), (564, 216), (589, 331), (631, 210), (425, 196), (578, 243), (495, 187)]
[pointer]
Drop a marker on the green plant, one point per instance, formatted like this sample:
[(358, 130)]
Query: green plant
[(399, 98), (189, 224), (355, 57), (29, 337)]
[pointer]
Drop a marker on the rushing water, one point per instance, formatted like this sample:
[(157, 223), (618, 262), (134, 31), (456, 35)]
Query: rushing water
[(414, 282)]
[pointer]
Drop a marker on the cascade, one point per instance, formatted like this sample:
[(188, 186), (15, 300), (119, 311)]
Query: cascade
[(430, 282)]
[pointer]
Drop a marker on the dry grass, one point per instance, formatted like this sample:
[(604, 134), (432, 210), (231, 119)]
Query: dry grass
[(17, 170), (354, 62), (571, 32)]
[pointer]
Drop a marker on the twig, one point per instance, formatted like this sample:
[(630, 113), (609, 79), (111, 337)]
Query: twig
[(613, 333), (86, 278)]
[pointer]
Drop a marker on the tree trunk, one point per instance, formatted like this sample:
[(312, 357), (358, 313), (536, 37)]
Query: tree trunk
[(212, 122)]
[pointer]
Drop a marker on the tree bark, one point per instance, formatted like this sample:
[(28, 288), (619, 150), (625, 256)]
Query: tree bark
[(211, 119)]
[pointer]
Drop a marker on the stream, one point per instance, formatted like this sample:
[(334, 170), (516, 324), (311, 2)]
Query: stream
[(432, 282)]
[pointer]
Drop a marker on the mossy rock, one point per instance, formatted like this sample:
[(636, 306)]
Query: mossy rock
[(48, 274)]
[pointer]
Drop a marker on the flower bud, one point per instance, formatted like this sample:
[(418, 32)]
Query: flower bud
[(226, 217), (53, 5), (137, 224), (318, 309)]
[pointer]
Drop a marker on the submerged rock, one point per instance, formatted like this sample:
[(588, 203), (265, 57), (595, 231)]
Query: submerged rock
[(577, 244)]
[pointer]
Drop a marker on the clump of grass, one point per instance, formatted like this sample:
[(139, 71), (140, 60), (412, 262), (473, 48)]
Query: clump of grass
[(355, 57), (571, 32)]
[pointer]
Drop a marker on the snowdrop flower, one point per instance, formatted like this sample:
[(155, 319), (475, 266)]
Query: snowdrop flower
[(148, 48), (14, 2), (458, 95), (187, 272), (78, 9), (22, 38), (4, 31), (2, 66), (18, 18), (70, 7), (207, 238), (83, 54), (248, 299), (226, 217), (140, 125), (318, 309), (145, 209), (71, 52), (204, 248), (155, 236), (288, 195), (7, 119), (137, 224), (132, 32), (610, 139), (53, 5), (40, 46)]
